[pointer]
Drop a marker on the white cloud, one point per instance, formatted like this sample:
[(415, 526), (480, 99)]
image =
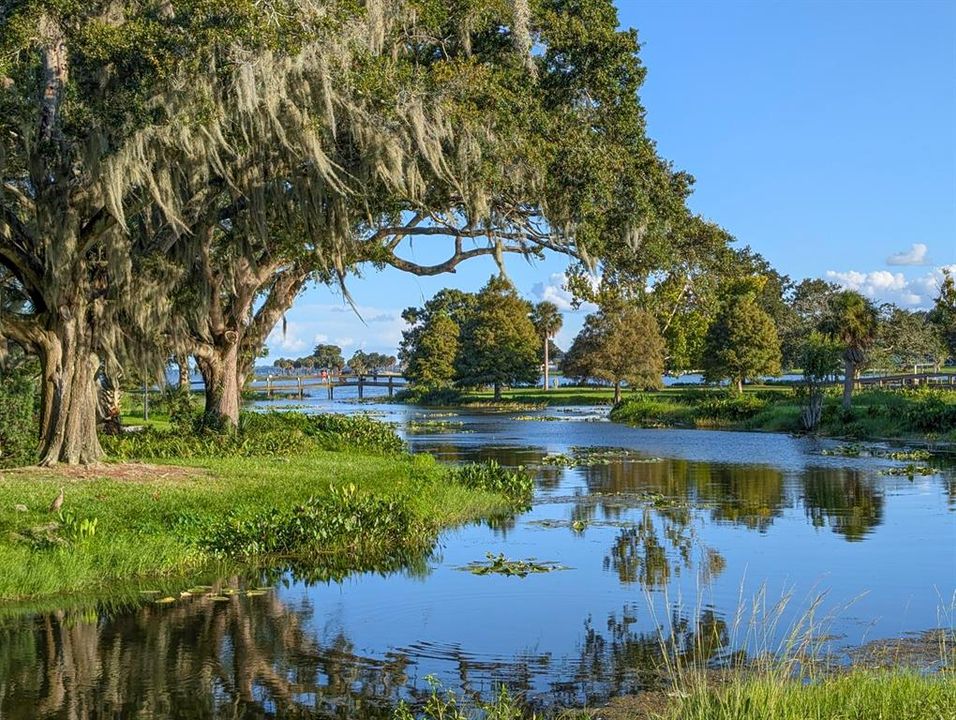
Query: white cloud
[(886, 286), (374, 329), (289, 341), (556, 291), (916, 255)]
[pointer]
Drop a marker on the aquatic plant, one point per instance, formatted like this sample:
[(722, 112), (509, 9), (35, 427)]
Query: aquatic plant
[(345, 518), (514, 483), (500, 565)]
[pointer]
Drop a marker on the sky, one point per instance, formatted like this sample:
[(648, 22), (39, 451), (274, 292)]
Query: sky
[(820, 133)]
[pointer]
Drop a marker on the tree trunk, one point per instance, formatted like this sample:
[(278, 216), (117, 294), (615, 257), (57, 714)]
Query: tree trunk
[(497, 387), (182, 363), (220, 373), (69, 399), (739, 384), (849, 377), (617, 392), (547, 341)]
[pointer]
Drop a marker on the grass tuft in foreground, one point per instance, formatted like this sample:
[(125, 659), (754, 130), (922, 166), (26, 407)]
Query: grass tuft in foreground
[(857, 695)]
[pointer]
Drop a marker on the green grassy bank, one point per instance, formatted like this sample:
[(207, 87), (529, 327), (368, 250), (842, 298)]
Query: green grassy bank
[(324, 495), (919, 415)]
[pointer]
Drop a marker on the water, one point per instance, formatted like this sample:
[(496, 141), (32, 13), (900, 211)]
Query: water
[(674, 535)]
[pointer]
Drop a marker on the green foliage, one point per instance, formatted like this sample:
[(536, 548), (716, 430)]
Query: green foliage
[(424, 395), (343, 520), (620, 343), (18, 418), (742, 342), (500, 565), (515, 484), (447, 706), (259, 435), (858, 694), (734, 408), (432, 363), (852, 322), (905, 339), (931, 411), (820, 358), (498, 344), (943, 314), (323, 357)]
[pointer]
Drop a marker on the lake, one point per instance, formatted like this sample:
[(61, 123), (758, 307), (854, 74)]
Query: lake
[(661, 536)]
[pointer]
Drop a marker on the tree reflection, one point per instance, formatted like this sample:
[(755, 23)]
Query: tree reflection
[(749, 495), (843, 500), (198, 658), (658, 546), (622, 659)]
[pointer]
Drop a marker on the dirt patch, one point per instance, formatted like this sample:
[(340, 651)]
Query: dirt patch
[(123, 472)]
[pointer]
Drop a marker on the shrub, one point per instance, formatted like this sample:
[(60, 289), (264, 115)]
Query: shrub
[(345, 519), (930, 412), (434, 396), (731, 408), (515, 484), (260, 435), (18, 419), (641, 409)]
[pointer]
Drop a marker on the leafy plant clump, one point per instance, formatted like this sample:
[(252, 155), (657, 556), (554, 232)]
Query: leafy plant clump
[(500, 565), (344, 520), (733, 408), (514, 483), (260, 435)]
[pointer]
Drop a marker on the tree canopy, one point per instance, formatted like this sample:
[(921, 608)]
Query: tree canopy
[(498, 342), (742, 342), (619, 343)]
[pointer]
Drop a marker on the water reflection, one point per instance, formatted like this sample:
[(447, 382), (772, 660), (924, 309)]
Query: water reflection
[(257, 657), (844, 500), (248, 657)]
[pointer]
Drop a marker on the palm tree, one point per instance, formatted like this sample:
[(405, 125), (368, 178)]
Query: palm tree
[(547, 321), (852, 322)]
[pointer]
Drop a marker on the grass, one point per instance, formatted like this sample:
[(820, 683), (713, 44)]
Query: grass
[(180, 522), (852, 695), (857, 695)]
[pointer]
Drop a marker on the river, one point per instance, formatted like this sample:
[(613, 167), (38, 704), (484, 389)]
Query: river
[(660, 535)]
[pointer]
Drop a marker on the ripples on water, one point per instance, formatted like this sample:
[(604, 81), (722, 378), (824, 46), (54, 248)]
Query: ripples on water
[(663, 542)]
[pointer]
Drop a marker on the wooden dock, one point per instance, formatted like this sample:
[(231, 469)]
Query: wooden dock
[(298, 384), (935, 379)]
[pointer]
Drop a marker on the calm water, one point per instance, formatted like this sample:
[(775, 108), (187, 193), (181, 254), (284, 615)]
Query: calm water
[(668, 540)]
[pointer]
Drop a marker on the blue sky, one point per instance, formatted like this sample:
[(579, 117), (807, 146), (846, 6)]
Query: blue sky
[(822, 134)]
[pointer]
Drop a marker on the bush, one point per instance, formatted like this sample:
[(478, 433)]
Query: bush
[(642, 409), (433, 396), (733, 408), (18, 419), (260, 435), (345, 519), (929, 411), (515, 484)]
